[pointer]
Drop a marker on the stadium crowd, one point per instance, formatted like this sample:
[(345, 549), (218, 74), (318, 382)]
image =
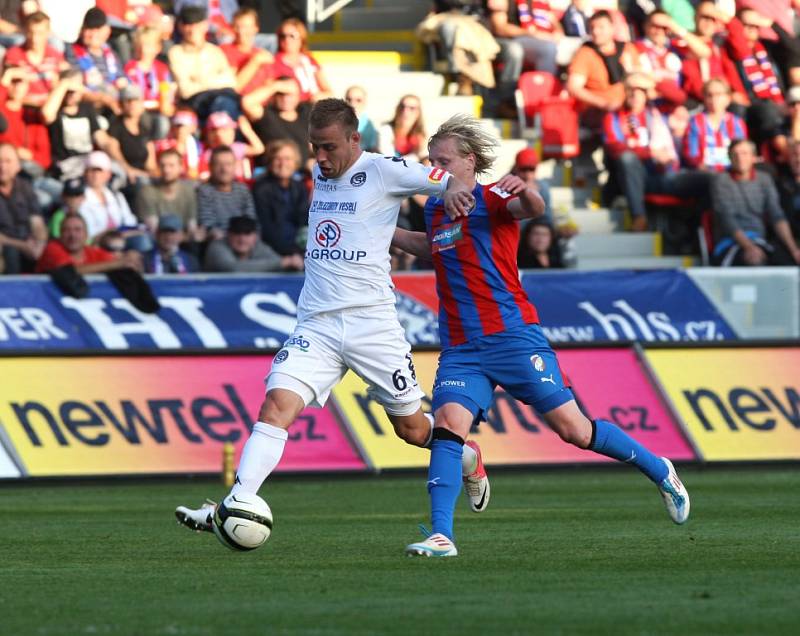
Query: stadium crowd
[(171, 137)]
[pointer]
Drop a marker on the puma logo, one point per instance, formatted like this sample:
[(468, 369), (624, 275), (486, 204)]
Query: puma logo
[(548, 379)]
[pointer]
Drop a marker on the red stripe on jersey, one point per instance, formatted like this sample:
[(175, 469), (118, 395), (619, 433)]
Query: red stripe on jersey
[(447, 300), (505, 240), (482, 297)]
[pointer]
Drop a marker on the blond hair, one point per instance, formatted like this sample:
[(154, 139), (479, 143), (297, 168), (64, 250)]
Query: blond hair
[(470, 138)]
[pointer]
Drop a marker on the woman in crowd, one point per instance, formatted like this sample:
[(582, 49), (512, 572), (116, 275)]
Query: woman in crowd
[(404, 136), (295, 60)]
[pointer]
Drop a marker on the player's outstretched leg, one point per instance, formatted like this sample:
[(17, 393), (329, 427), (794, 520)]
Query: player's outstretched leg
[(444, 475), (260, 454), (417, 429), (606, 438)]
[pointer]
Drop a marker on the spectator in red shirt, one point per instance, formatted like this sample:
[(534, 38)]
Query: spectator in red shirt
[(295, 60), (709, 23), (42, 62), (27, 131), (71, 249), (252, 65)]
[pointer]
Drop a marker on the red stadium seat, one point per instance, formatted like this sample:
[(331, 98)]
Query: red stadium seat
[(547, 113)]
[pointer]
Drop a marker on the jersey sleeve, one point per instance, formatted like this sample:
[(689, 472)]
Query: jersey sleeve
[(405, 177), (497, 201)]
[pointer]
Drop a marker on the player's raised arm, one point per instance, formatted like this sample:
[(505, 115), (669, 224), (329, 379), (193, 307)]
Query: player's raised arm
[(415, 243), (528, 203)]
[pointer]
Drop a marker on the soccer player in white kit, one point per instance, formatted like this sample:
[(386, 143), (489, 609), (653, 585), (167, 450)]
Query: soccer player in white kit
[(346, 312)]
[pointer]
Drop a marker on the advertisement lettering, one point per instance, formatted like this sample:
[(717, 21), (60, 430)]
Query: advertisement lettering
[(738, 404)]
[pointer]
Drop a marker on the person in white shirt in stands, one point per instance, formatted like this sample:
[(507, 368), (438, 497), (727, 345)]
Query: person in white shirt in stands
[(103, 209), (346, 313)]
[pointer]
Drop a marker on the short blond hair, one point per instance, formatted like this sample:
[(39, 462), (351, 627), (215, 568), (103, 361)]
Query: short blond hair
[(470, 138)]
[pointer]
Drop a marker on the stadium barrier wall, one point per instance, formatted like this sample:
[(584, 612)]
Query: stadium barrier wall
[(217, 312)]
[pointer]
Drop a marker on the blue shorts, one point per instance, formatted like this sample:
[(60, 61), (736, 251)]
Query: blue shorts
[(520, 360)]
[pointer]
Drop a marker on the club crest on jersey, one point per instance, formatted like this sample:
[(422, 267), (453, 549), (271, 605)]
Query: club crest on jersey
[(436, 175), (327, 233), (538, 362), (358, 179), (280, 356)]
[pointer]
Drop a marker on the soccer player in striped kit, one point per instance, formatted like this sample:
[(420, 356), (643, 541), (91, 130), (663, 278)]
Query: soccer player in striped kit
[(490, 333)]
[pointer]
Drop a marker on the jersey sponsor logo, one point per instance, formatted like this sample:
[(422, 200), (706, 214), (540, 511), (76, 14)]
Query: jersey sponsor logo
[(335, 255), (436, 175), (445, 384), (297, 342), (334, 207), (446, 237), (322, 185), (358, 179), (538, 362), (327, 233), (503, 194), (280, 356)]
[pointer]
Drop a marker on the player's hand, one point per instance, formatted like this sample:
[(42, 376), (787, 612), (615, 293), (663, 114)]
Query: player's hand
[(512, 184), (458, 203)]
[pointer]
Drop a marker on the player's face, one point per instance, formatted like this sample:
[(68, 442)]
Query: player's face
[(334, 150), (445, 155)]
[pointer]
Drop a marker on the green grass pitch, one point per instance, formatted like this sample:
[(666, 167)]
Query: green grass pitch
[(583, 551)]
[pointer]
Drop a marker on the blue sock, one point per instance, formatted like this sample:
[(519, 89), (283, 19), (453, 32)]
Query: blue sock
[(611, 441), (444, 483)]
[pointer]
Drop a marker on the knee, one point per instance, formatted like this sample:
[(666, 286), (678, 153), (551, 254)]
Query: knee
[(411, 433), (275, 413), (576, 435), (513, 52)]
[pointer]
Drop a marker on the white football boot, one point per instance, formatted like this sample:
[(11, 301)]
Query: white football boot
[(197, 519), (675, 495), (436, 545), (476, 484)]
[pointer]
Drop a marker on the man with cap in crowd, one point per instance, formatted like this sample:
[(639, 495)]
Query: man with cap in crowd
[(99, 65), (72, 197), (205, 80), (167, 257), (525, 164), (242, 251)]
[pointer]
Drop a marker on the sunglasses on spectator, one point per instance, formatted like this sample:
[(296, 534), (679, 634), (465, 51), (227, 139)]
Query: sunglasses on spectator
[(662, 27), (288, 36), (750, 26), (356, 100), (409, 107), (526, 168)]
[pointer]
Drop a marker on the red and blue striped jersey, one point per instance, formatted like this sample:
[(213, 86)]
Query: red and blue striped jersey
[(475, 260)]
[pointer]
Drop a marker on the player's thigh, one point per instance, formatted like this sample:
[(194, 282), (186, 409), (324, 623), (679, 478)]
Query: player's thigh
[(461, 381), (310, 355), (522, 362), (376, 349)]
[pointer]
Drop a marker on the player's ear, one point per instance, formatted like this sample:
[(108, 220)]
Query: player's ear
[(355, 138)]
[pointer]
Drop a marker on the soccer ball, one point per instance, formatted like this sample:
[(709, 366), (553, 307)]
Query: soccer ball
[(242, 521)]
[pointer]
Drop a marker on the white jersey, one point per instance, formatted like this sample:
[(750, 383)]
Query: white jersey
[(351, 222)]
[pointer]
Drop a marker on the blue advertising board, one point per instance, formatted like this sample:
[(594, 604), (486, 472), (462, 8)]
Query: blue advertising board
[(224, 311)]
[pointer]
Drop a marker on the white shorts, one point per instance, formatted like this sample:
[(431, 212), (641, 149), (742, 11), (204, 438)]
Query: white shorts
[(367, 340)]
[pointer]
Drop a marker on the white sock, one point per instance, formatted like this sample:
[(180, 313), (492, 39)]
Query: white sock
[(429, 417), (260, 455), (469, 460)]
